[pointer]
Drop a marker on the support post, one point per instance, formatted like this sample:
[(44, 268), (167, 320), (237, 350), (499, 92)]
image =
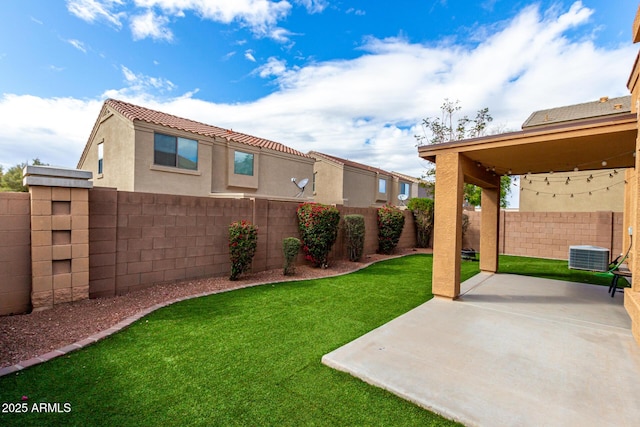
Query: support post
[(447, 231), (489, 229)]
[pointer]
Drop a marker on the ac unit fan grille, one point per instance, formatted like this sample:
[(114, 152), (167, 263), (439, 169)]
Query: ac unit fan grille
[(592, 258)]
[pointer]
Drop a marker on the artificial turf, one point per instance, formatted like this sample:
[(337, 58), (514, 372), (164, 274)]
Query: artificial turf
[(246, 357), (551, 269)]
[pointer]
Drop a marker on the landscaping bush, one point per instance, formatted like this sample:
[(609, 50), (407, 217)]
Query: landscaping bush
[(290, 249), (243, 240), (422, 209), (390, 224), (354, 231), (318, 225)]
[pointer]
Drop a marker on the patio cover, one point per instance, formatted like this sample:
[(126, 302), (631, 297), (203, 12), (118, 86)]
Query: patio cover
[(585, 145)]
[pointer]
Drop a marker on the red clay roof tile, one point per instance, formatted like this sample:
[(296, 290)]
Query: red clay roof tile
[(135, 112)]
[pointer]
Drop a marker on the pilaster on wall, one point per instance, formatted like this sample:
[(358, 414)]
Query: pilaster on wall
[(59, 235)]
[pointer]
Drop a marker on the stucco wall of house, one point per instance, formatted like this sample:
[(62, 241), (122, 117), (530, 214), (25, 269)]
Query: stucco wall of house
[(328, 177), (169, 180), (116, 134), (361, 188), (276, 171), (397, 182), (606, 188)]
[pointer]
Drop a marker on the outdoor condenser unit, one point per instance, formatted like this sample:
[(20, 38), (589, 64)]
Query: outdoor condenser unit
[(587, 257)]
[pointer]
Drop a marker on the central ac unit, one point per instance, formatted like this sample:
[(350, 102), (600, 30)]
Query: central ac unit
[(585, 257)]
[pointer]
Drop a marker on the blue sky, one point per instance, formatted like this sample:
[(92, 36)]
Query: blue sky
[(350, 78)]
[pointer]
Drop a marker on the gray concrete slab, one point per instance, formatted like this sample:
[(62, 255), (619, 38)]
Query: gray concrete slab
[(512, 351)]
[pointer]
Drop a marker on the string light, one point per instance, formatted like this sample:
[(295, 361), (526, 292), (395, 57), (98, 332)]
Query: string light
[(574, 194), (581, 166)]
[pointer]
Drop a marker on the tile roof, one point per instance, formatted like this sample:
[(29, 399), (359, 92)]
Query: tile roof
[(351, 163), (588, 110), (135, 112), (407, 177)]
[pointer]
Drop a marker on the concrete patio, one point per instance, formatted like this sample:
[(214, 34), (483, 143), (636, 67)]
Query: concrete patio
[(512, 351)]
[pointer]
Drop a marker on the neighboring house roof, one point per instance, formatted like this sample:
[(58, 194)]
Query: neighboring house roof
[(136, 112), (588, 110), (351, 163), (407, 177)]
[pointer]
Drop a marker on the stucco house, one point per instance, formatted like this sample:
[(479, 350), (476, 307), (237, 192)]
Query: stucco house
[(133, 148), (578, 190), (345, 182)]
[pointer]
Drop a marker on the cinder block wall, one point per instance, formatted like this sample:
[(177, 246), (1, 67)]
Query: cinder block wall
[(140, 239), (549, 234), (15, 253)]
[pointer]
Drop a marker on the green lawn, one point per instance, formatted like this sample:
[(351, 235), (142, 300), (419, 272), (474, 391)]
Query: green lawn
[(550, 269), (246, 357)]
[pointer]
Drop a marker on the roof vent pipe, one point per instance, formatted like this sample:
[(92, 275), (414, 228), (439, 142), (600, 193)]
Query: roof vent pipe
[(604, 99)]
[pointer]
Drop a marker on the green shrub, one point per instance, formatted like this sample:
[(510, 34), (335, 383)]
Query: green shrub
[(243, 240), (318, 225), (354, 231), (422, 209), (390, 224), (290, 249)]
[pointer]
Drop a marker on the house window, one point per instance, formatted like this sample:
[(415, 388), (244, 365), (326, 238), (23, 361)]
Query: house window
[(243, 163), (313, 182), (382, 185), (175, 151), (100, 158), (404, 188)]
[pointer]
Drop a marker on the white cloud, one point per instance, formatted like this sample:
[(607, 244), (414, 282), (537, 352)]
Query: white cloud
[(313, 6), (52, 129), (151, 18), (260, 16), (248, 54), (358, 12), (78, 45), (273, 67), (97, 10), (140, 83), (150, 25), (368, 108)]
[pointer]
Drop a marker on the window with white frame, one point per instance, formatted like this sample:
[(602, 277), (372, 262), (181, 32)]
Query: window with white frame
[(100, 158), (243, 163), (382, 185), (175, 151), (404, 188)]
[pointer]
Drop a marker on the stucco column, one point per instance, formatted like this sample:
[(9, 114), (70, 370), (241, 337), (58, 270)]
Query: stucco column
[(489, 229), (447, 230)]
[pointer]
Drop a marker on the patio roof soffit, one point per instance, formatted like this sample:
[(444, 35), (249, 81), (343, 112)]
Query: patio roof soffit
[(587, 145)]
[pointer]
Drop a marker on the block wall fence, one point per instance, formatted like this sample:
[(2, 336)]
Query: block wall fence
[(549, 234), (137, 240)]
